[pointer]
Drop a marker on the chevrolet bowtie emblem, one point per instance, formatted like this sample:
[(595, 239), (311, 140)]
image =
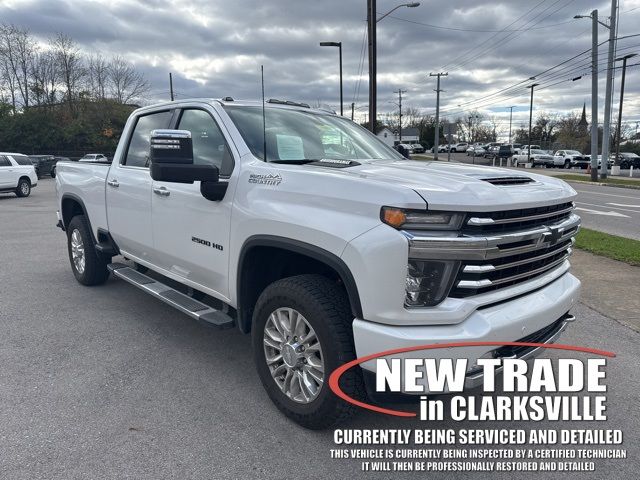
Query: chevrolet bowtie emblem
[(553, 234)]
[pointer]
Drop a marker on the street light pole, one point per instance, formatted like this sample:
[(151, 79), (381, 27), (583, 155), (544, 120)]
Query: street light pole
[(530, 120), (624, 71), (339, 45), (594, 96), (372, 21)]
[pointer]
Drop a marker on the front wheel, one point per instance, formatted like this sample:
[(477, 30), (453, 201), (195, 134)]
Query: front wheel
[(53, 172), (88, 265), (301, 333)]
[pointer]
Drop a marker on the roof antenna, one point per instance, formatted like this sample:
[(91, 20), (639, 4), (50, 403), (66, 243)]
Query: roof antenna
[(264, 123)]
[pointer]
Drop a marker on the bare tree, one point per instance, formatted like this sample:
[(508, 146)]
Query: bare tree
[(16, 50), (44, 77), (98, 76), (126, 83), (71, 66)]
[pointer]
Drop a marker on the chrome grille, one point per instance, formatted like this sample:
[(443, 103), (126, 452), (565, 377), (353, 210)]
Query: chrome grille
[(497, 250), (510, 220)]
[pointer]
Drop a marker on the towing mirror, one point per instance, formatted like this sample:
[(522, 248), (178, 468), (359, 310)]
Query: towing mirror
[(171, 156)]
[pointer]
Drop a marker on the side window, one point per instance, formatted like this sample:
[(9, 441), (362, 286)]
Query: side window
[(138, 151), (22, 160), (4, 161), (209, 145)]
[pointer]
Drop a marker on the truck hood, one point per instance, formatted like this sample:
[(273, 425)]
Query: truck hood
[(461, 187)]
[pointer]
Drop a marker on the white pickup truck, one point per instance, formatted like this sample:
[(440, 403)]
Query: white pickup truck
[(302, 228)]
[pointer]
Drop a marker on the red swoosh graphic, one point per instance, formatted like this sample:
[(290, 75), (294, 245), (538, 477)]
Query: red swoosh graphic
[(334, 379)]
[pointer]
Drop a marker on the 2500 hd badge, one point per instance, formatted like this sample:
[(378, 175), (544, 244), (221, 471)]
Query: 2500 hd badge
[(207, 243)]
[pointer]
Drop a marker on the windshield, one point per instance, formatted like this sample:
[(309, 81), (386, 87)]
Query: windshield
[(538, 152), (573, 152), (296, 136)]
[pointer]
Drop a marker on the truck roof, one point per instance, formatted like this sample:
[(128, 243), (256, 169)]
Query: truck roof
[(226, 101)]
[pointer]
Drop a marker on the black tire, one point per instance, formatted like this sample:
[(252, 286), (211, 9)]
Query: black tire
[(53, 172), (24, 187), (95, 270), (325, 306), (567, 164)]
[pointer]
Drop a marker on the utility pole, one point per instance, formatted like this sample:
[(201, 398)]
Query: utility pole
[(373, 69), (606, 129), (510, 122), (400, 92), (171, 85), (353, 107), (530, 119), (624, 71), (594, 96), (437, 135)]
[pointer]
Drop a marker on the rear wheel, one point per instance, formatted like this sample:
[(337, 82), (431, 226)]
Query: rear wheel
[(301, 333), (88, 265), (24, 188), (53, 172)]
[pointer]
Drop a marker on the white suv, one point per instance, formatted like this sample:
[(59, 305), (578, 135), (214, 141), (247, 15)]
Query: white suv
[(17, 174)]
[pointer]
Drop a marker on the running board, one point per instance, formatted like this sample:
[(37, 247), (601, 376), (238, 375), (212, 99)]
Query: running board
[(200, 311)]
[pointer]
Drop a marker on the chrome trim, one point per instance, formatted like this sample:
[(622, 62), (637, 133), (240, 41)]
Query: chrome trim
[(471, 247), (480, 221), (491, 268), (484, 282)]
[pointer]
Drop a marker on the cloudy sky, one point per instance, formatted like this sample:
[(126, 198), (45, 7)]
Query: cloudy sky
[(489, 48)]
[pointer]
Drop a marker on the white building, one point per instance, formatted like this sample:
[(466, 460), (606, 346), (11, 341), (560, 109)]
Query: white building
[(391, 138)]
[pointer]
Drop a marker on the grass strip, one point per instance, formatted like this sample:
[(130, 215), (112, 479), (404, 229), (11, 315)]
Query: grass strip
[(612, 246)]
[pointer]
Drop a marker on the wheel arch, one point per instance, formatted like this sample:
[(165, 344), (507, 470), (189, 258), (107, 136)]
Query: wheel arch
[(281, 257)]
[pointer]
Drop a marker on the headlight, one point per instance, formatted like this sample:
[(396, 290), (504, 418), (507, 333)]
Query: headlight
[(421, 219), (429, 281)]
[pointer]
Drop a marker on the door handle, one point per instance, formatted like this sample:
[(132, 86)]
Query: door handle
[(113, 183), (162, 191)]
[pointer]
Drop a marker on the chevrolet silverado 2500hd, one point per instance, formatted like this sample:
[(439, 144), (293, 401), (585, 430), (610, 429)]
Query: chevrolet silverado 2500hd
[(302, 228)]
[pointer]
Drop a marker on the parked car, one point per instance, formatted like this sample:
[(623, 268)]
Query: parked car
[(318, 286), (538, 157), (504, 152), (94, 157), (408, 147), (17, 174), (515, 148), (43, 164), (628, 159), (58, 159), (524, 148), (570, 159), (417, 148), (491, 150), (460, 147), (441, 148), (476, 150)]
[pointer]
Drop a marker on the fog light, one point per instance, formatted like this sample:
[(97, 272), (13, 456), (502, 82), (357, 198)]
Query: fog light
[(428, 282)]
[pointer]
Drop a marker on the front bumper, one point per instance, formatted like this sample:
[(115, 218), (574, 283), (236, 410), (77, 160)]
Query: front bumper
[(506, 321)]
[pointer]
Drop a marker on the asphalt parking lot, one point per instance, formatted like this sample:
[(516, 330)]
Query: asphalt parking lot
[(106, 382)]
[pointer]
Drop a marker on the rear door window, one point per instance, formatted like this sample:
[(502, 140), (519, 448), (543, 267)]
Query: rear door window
[(4, 161)]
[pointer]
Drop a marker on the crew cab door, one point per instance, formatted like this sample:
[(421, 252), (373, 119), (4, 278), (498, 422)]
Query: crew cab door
[(191, 234), (128, 189), (7, 176)]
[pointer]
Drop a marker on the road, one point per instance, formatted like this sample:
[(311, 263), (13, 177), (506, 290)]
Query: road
[(606, 209), (105, 382), (609, 209)]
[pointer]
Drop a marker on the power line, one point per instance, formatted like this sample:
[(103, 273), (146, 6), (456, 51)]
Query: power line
[(495, 34), (429, 25)]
